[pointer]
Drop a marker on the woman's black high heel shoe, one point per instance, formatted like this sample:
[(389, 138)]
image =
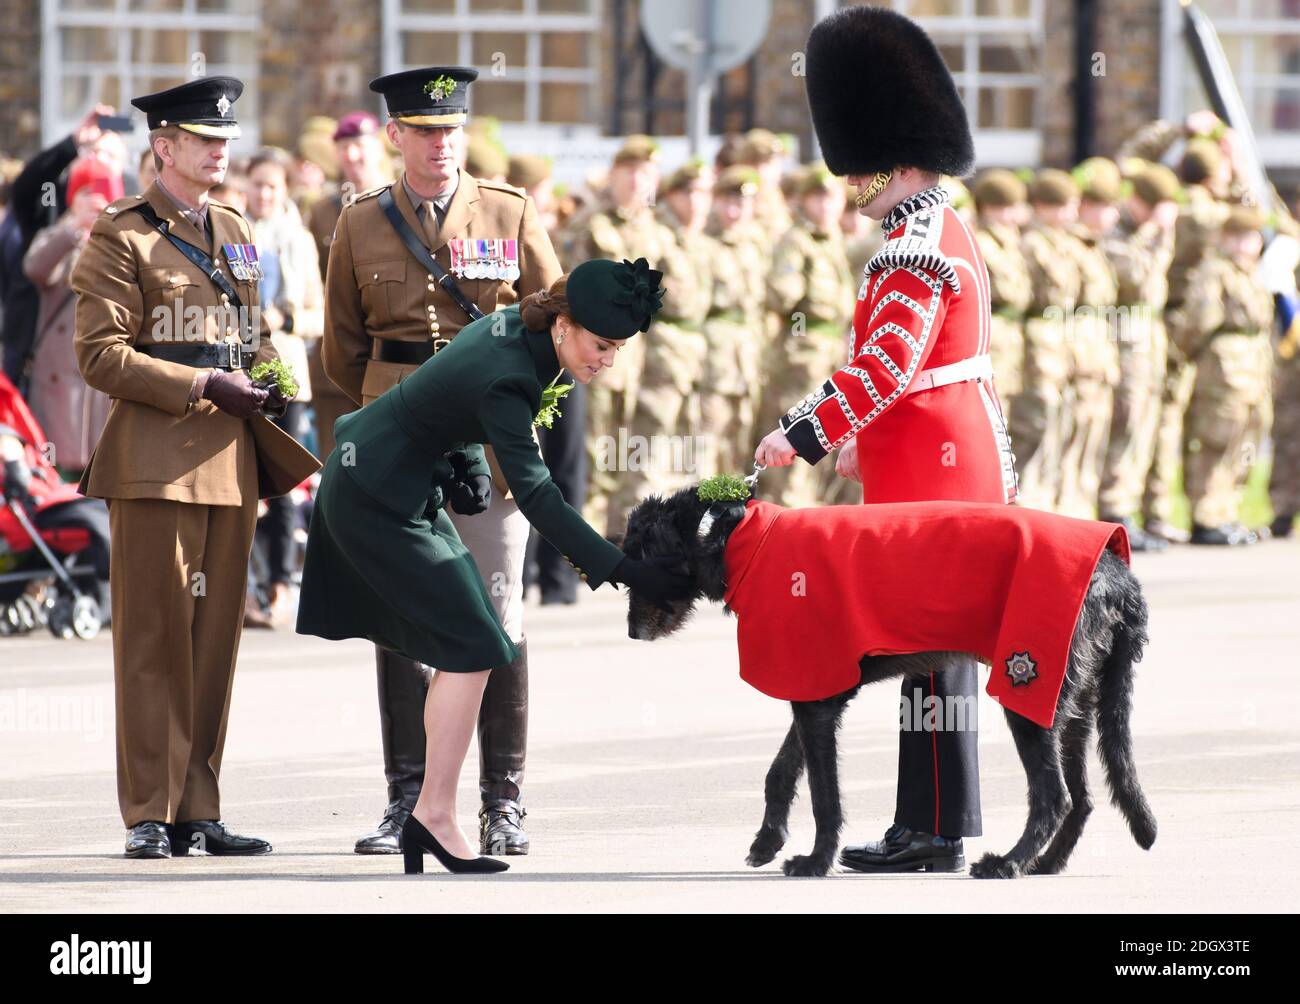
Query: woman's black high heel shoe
[(416, 840)]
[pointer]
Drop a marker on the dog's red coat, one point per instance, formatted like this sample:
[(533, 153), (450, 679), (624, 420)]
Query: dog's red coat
[(814, 590)]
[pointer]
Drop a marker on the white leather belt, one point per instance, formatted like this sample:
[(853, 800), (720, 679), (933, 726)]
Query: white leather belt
[(972, 368)]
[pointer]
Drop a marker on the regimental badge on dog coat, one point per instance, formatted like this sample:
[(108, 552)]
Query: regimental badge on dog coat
[(814, 590)]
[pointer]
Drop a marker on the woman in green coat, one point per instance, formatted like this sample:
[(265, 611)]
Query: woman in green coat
[(384, 561)]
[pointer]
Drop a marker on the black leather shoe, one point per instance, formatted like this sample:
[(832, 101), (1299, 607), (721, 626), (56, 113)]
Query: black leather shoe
[(1283, 526), (148, 840), (1138, 539), (904, 850), (386, 838), (212, 836), (501, 828), (1228, 535)]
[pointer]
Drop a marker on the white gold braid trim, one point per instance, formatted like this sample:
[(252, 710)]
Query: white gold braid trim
[(936, 195), (918, 247)]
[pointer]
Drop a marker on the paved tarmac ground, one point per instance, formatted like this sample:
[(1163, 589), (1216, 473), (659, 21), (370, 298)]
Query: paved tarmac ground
[(646, 768)]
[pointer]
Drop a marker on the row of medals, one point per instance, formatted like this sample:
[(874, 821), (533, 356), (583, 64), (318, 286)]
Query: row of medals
[(473, 259)]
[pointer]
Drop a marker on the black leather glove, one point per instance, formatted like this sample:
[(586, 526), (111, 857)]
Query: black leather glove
[(276, 403), (655, 578), (234, 393), (469, 494)]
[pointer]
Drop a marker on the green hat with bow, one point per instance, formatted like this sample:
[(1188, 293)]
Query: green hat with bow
[(614, 299)]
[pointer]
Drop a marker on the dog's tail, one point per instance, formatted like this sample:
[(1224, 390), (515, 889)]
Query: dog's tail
[(1115, 700)]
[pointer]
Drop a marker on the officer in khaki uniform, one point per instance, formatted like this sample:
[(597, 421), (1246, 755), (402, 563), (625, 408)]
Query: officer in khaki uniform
[(1038, 419), (182, 460), (1223, 328), (1094, 359), (1140, 247), (385, 313), (811, 294), (621, 227), (667, 411), (999, 202), (364, 165), (735, 327)]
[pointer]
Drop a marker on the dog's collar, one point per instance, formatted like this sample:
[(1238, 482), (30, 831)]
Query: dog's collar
[(711, 515)]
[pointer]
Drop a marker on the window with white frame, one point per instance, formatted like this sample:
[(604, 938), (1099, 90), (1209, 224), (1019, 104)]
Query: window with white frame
[(536, 58), (994, 49), (113, 50), (1261, 39)]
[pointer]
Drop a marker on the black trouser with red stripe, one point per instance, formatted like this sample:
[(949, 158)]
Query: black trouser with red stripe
[(938, 753)]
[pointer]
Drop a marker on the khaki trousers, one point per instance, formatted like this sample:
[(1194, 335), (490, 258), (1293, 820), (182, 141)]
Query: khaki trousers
[(178, 576)]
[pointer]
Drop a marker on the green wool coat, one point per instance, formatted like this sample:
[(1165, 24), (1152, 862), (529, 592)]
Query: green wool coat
[(384, 561)]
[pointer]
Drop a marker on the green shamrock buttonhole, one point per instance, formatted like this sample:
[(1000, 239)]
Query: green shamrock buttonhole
[(551, 397)]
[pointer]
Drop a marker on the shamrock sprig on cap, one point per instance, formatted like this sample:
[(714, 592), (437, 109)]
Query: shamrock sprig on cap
[(440, 88)]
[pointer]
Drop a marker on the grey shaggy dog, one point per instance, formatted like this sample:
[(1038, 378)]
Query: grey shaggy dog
[(1097, 692)]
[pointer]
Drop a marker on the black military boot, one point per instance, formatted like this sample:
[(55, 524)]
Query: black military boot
[(502, 741), (403, 684), (1138, 539), (1283, 526), (1228, 535)]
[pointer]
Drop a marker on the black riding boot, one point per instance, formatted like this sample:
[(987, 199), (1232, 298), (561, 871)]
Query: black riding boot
[(502, 741), (403, 684)]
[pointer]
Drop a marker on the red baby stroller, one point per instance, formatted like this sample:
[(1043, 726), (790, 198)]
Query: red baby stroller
[(50, 536)]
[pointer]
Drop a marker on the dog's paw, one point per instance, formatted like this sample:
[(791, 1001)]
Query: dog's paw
[(805, 866), (994, 866), (764, 848), (759, 855)]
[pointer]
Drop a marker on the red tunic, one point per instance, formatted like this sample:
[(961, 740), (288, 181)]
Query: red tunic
[(923, 304), (814, 590)]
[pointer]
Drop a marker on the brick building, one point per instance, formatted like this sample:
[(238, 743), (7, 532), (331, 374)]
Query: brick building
[(1045, 81)]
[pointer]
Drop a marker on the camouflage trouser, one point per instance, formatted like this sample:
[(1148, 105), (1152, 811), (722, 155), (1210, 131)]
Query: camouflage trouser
[(1036, 413), (1227, 391), (729, 393), (1094, 371), (667, 411), (794, 366), (611, 408), (1175, 392), (1284, 483), (1007, 351), (1135, 418)]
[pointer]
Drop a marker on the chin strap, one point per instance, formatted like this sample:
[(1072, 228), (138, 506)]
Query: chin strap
[(868, 194)]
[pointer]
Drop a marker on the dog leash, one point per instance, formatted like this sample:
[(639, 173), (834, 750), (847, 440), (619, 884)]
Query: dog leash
[(751, 482)]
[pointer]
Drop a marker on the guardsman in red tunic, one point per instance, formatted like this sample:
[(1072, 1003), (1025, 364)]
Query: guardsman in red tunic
[(914, 413)]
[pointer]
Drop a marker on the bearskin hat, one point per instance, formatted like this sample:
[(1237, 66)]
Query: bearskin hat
[(881, 96)]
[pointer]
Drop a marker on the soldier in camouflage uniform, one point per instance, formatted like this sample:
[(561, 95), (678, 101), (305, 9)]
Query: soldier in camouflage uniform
[(667, 412), (1140, 247), (862, 236), (1206, 173), (765, 152), (811, 294), (621, 226), (1223, 328), (1094, 367), (735, 325), (1037, 413), (999, 198), (1284, 482)]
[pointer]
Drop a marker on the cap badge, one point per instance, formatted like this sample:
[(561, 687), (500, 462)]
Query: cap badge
[(223, 106)]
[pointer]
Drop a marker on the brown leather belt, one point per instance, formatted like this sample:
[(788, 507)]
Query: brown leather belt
[(389, 350)]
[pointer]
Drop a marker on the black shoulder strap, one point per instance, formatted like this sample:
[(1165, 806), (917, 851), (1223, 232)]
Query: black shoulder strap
[(422, 255), (196, 255)]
